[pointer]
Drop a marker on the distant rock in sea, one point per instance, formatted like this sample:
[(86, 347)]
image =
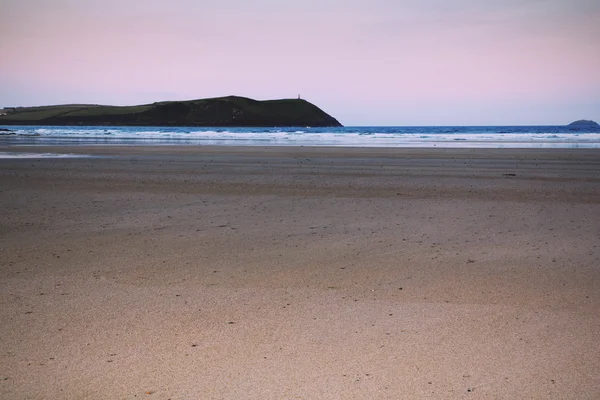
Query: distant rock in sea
[(4, 131), (583, 124)]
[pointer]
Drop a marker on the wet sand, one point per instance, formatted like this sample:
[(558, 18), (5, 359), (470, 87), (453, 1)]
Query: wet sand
[(313, 273)]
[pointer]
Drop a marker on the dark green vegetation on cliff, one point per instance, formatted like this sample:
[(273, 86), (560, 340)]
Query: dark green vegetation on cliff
[(221, 111)]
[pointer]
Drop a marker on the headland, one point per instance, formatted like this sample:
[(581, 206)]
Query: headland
[(227, 111)]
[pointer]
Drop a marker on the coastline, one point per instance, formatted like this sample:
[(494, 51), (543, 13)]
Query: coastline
[(360, 137), (311, 272)]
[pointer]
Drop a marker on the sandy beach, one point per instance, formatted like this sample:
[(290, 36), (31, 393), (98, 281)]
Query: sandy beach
[(300, 273)]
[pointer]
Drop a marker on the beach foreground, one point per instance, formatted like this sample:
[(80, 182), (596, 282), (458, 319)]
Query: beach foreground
[(312, 273)]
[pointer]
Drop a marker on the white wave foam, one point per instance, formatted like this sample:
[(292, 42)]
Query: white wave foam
[(352, 137), (41, 155)]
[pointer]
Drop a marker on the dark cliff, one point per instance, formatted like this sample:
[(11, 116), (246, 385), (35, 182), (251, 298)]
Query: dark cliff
[(219, 112)]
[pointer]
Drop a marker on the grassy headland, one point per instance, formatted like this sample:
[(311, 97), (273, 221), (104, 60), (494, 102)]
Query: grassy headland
[(221, 111)]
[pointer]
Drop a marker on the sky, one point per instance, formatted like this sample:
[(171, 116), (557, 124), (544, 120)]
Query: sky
[(366, 62)]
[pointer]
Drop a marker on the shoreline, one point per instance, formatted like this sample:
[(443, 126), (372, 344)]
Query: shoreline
[(119, 149), (368, 137)]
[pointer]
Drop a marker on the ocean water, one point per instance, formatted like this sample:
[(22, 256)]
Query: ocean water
[(367, 136)]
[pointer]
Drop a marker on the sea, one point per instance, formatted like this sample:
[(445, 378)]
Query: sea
[(352, 136)]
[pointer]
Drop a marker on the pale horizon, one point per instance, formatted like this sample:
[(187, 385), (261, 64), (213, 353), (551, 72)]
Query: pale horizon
[(382, 63)]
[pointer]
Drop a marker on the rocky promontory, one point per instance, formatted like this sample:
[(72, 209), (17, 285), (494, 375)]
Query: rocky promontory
[(231, 111)]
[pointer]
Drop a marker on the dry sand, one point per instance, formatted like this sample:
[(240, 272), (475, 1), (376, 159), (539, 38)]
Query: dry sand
[(284, 273)]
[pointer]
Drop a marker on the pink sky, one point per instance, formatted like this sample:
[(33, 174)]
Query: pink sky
[(371, 62)]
